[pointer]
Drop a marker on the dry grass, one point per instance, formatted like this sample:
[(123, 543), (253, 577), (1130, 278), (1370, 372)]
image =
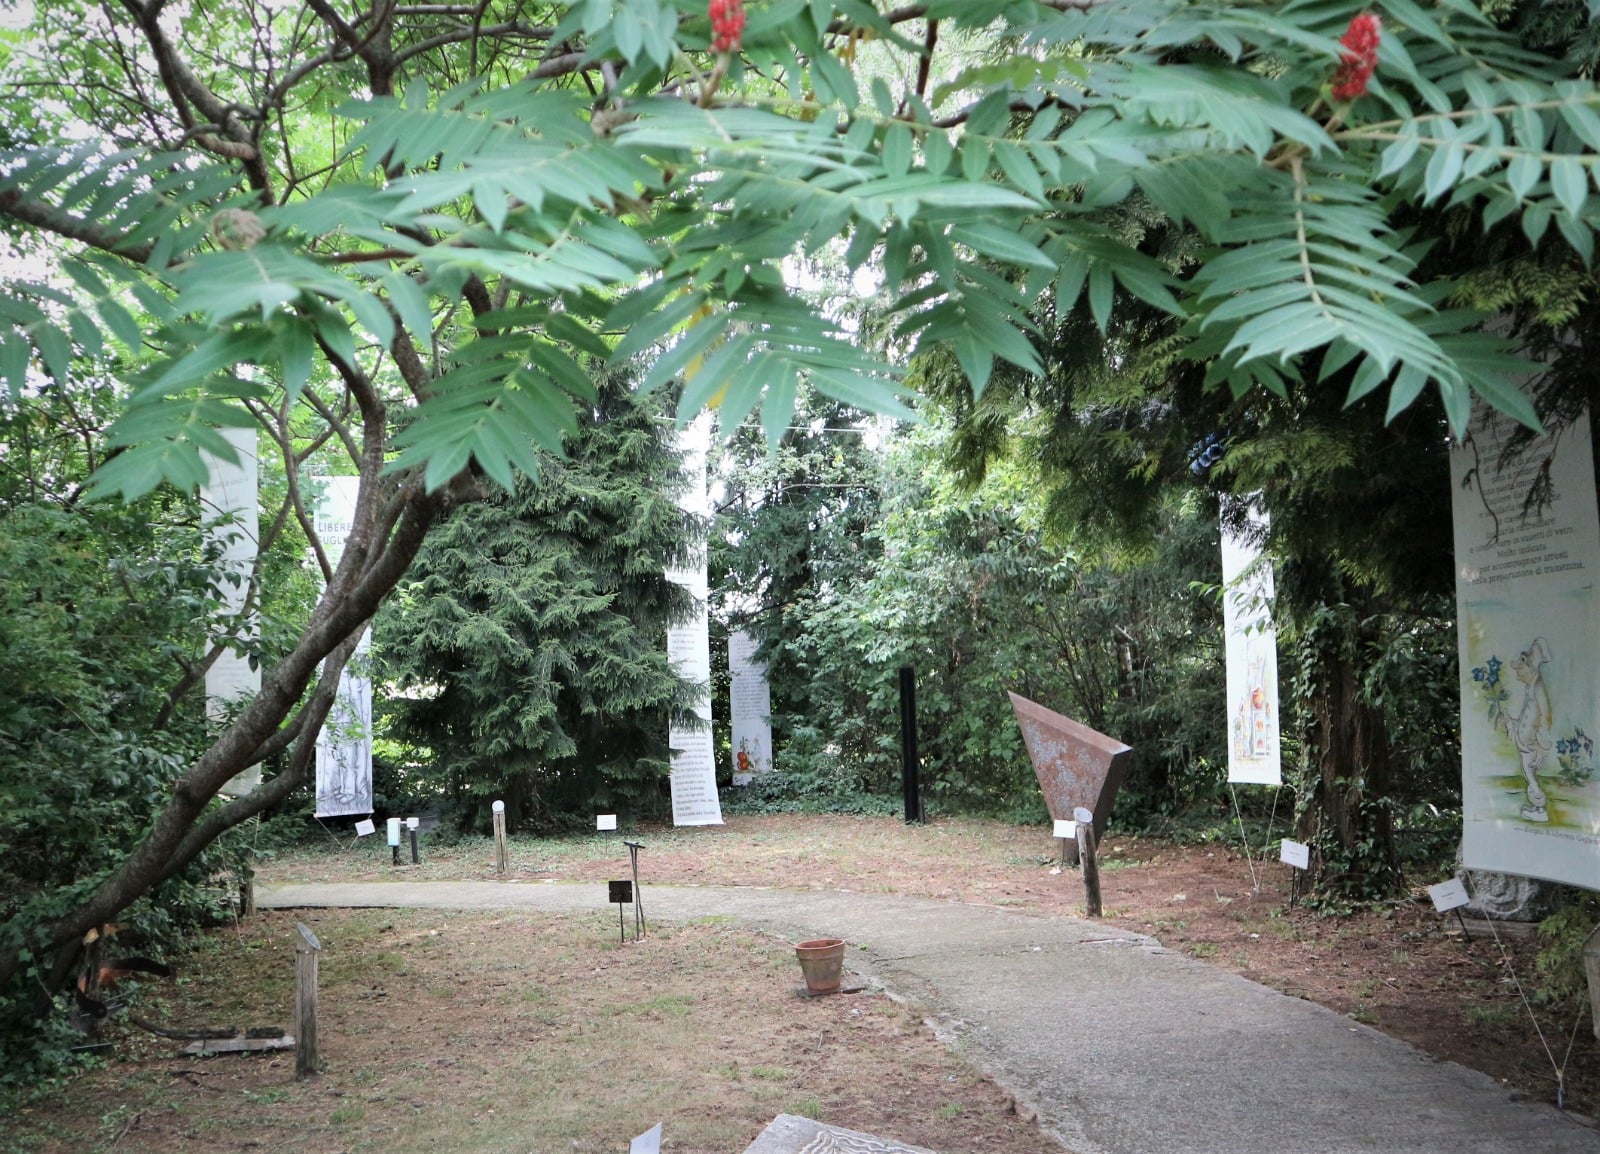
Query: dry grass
[(477, 1032)]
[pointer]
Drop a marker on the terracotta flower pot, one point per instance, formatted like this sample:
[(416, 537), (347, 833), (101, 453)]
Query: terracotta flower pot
[(822, 963)]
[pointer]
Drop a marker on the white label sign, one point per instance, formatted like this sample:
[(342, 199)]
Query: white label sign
[(1296, 854), (366, 826), (605, 821), (1067, 828), (1448, 895)]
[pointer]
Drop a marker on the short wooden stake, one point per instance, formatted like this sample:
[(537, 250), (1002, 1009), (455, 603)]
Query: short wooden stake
[(306, 1061), (500, 863), (247, 894), (1091, 868)]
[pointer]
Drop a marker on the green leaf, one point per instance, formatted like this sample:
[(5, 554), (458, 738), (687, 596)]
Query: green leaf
[(297, 345), (1570, 183), (55, 351), (897, 150), (1444, 167), (1001, 244), (14, 357), (1523, 173)]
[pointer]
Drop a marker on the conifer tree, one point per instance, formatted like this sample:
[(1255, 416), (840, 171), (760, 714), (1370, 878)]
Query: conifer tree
[(534, 625)]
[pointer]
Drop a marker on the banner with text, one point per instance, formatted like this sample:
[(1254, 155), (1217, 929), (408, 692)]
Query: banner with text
[(230, 511), (749, 709), (1527, 541), (1252, 656), (694, 767), (344, 747)]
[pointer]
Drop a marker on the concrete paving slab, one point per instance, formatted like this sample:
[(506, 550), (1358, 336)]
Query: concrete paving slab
[(792, 1134), (1120, 1045)]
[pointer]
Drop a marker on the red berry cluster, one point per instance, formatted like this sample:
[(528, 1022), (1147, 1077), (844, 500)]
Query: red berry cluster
[(1359, 59), (727, 24)]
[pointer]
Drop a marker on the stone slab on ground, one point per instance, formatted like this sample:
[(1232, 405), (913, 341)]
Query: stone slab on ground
[(792, 1134)]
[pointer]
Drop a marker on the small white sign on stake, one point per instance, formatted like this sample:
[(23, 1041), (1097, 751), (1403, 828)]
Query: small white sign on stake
[(605, 821), (1067, 829), (413, 822), (365, 826), (1448, 895), (647, 1143), (1295, 853)]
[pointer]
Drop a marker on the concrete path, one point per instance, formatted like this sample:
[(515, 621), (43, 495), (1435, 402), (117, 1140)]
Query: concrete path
[(1121, 1045)]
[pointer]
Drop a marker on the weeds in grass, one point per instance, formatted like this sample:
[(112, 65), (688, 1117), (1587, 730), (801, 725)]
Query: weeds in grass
[(1493, 1016)]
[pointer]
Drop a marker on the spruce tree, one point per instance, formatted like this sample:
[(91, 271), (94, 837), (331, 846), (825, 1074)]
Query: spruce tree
[(528, 642)]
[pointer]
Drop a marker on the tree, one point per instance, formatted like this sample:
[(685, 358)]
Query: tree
[(531, 626), (392, 232)]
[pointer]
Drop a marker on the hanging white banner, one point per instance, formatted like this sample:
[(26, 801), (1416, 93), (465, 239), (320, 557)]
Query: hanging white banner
[(749, 707), (230, 512), (1527, 541), (1252, 655), (344, 746), (694, 768)]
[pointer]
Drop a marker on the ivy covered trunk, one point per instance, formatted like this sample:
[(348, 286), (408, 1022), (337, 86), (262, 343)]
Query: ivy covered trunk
[(1345, 813)]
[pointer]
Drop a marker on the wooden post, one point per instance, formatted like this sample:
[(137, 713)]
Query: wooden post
[(247, 893), (306, 1060), (1091, 868), (500, 863)]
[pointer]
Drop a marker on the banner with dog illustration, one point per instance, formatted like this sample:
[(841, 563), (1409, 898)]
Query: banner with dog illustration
[(1527, 540)]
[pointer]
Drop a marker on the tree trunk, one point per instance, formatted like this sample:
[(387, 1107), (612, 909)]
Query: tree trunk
[(1345, 814), (179, 833)]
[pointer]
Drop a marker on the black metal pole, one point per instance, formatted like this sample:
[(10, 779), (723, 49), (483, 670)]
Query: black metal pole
[(908, 743), (415, 860)]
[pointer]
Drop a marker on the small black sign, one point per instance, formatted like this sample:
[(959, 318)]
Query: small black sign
[(621, 892)]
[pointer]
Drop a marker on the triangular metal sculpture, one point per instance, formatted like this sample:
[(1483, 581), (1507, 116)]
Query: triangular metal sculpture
[(1076, 765)]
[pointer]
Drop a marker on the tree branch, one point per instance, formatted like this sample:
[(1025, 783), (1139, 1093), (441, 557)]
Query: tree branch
[(69, 227)]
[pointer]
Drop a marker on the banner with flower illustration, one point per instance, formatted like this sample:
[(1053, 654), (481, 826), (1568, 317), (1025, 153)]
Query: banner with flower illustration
[(749, 708), (1252, 655), (1527, 541)]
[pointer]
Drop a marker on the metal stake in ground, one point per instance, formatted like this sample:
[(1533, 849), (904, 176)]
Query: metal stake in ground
[(621, 893), (638, 892), (909, 761)]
